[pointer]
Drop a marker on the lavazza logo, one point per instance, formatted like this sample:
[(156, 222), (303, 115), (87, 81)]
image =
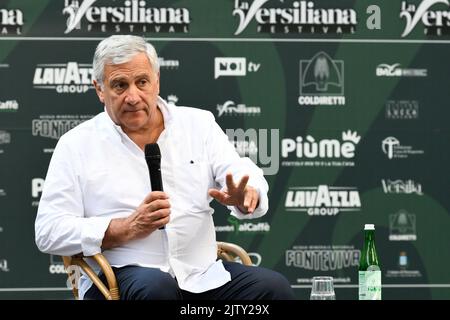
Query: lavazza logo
[(392, 148), (72, 77), (299, 17), (231, 108), (323, 200), (436, 23), (54, 126), (133, 16), (321, 81), (323, 257), (324, 152), (11, 21)]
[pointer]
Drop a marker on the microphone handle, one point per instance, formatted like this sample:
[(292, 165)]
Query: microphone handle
[(156, 180)]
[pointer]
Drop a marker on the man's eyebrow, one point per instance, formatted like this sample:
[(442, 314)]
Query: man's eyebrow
[(143, 75), (117, 79)]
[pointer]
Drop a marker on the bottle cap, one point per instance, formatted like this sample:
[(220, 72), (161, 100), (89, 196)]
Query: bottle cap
[(369, 227)]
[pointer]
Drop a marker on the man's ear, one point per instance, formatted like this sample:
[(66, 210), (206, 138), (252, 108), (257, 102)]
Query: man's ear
[(99, 90), (157, 81)]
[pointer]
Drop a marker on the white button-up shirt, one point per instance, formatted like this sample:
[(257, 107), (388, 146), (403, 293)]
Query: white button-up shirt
[(97, 173)]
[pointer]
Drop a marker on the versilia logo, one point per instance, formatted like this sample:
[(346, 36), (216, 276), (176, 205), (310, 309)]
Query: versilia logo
[(285, 16), (401, 186), (323, 200), (229, 108), (11, 21), (435, 22), (72, 77), (132, 16)]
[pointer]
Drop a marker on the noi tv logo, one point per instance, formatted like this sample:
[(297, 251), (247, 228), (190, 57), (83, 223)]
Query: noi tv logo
[(233, 66)]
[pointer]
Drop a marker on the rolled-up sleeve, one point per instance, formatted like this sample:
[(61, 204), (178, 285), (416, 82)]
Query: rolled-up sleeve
[(61, 227), (225, 159)]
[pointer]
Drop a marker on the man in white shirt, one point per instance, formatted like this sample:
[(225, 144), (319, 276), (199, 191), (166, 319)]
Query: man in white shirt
[(97, 195)]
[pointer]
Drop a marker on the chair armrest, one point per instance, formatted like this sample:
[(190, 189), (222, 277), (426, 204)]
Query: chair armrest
[(227, 250), (110, 294)]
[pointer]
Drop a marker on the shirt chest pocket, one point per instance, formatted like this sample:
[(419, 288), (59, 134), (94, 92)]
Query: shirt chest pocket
[(192, 181)]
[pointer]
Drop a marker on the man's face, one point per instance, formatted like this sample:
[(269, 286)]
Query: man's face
[(130, 92)]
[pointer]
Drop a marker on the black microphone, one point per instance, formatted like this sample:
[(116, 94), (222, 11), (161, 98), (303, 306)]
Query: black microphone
[(153, 159)]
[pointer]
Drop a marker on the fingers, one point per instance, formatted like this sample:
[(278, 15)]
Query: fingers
[(154, 195), (161, 217), (251, 200), (220, 196), (243, 182), (230, 183)]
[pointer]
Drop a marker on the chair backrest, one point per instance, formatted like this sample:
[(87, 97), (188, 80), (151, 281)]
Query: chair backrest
[(226, 251)]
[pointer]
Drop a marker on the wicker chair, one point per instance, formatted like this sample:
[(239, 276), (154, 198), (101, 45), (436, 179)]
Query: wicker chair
[(225, 251)]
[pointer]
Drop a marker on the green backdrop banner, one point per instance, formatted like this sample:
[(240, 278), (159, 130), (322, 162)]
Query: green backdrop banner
[(344, 104)]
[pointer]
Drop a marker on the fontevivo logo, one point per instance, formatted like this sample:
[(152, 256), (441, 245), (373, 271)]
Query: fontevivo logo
[(323, 258), (434, 21), (294, 17), (133, 16), (54, 126)]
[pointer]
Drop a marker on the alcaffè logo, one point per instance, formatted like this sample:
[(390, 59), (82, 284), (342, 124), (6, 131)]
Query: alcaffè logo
[(132, 16)]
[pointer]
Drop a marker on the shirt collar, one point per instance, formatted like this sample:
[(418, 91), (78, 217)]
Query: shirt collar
[(166, 110)]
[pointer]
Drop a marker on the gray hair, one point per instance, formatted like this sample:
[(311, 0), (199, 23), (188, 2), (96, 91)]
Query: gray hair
[(118, 49)]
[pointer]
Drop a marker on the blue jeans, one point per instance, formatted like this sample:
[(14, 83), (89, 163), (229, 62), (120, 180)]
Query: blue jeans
[(247, 283)]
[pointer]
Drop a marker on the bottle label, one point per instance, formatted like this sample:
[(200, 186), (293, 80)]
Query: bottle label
[(369, 285)]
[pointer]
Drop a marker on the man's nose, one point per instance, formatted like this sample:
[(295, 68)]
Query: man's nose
[(132, 96)]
